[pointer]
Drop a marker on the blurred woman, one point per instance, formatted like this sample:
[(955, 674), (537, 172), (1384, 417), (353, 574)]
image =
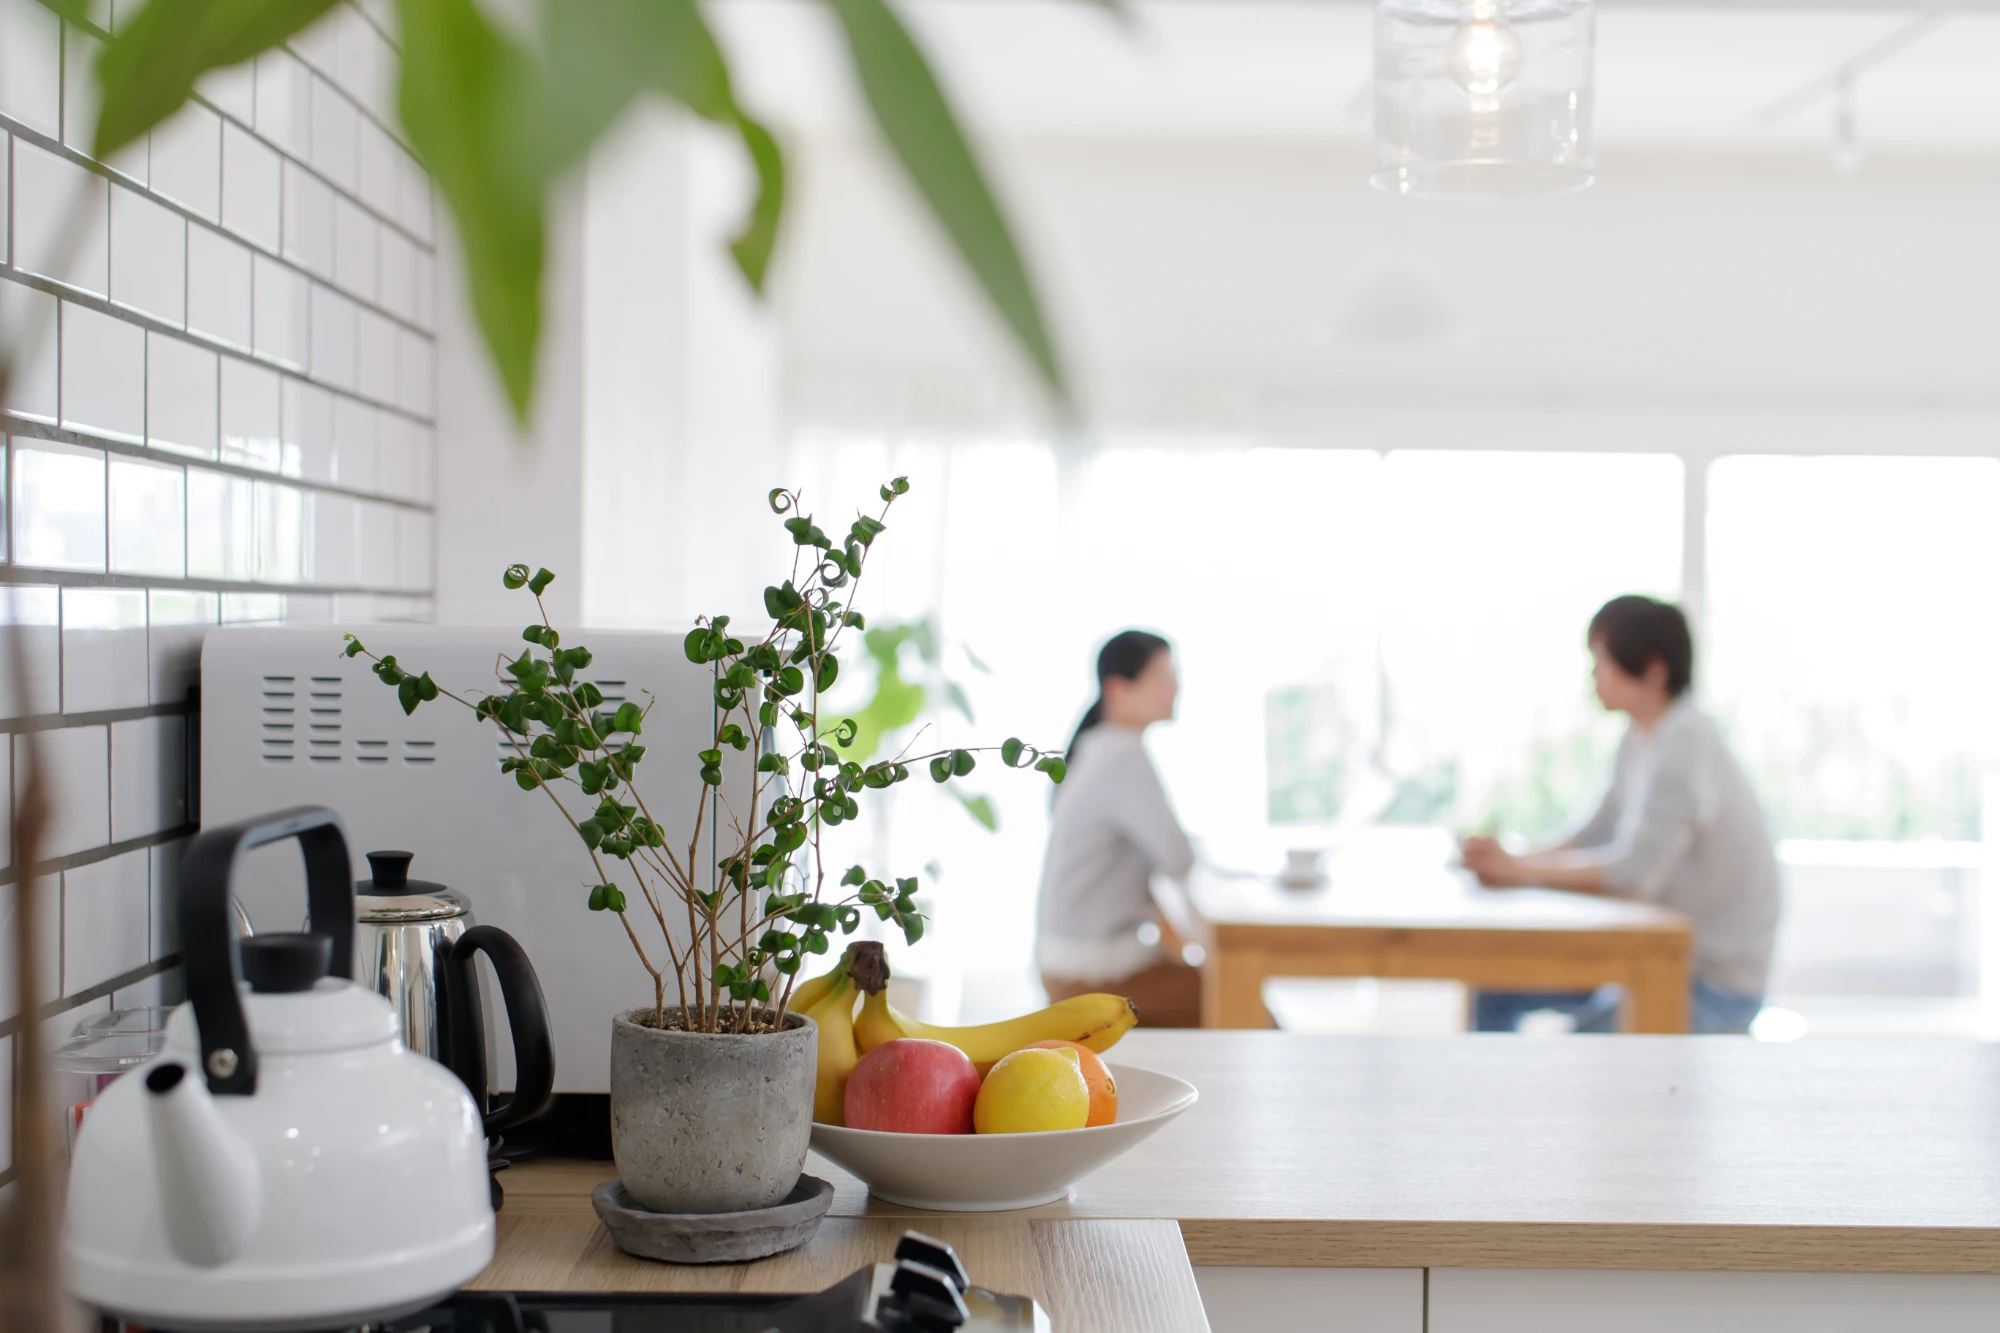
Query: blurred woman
[(1096, 927)]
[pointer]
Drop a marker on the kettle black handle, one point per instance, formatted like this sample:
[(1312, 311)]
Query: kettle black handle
[(208, 928), (527, 1021)]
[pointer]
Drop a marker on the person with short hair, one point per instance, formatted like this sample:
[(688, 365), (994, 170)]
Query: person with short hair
[(1096, 926), (1678, 825)]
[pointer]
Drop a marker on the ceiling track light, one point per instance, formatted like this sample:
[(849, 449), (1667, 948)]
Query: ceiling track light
[(1838, 86), (1846, 154)]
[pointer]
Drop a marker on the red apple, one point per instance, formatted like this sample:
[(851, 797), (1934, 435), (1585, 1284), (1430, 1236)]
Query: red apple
[(913, 1086)]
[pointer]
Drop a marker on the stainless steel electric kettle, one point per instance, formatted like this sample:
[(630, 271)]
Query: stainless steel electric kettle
[(415, 943)]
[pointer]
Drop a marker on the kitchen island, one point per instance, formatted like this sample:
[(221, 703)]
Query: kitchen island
[(1451, 1184)]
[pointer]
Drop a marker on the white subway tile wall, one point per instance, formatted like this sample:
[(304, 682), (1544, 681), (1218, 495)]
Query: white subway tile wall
[(224, 418), (107, 919), (59, 229), (33, 391), (31, 620), (148, 518), (180, 396), (218, 287), (103, 366), (187, 161), (251, 189), (250, 408), (278, 317), (31, 66), (148, 257), (104, 649)]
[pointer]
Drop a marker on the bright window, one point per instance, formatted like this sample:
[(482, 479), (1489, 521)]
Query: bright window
[(1467, 698), (1850, 609)]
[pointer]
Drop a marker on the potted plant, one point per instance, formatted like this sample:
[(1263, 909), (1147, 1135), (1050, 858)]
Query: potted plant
[(712, 1083)]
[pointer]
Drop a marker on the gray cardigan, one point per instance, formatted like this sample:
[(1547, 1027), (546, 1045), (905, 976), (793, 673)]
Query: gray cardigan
[(1681, 826), (1112, 828)]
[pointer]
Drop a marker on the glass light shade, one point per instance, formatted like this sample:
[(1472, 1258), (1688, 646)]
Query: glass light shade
[(1483, 98)]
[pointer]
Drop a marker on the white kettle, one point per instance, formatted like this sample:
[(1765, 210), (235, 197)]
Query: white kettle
[(284, 1163)]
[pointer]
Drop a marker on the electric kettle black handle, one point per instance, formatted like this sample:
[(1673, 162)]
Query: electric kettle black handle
[(527, 1021), (208, 929)]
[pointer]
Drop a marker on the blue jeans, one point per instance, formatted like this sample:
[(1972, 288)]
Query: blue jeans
[(1710, 1010)]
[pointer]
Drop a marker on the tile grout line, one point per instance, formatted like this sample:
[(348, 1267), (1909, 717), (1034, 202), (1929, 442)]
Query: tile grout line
[(202, 99), (132, 315), (39, 576), (27, 428), (63, 1004), (90, 856), (114, 178), (103, 717)]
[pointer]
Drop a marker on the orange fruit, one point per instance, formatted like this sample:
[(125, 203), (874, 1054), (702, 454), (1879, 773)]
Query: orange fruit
[(1103, 1087)]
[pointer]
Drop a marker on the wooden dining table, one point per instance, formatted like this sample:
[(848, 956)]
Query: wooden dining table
[(1394, 903)]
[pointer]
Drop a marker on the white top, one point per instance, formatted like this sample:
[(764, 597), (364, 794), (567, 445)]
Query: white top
[(1112, 829), (1681, 826)]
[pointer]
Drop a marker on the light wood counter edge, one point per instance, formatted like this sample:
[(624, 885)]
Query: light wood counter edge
[(1658, 1247), (562, 1188)]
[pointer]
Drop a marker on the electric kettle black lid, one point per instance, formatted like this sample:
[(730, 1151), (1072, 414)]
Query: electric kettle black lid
[(390, 873)]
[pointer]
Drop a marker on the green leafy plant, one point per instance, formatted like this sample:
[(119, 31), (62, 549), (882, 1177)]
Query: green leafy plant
[(498, 117), (763, 906)]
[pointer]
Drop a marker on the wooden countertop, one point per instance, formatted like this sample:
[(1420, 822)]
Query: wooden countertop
[(1509, 1152), (1584, 1152), (1092, 1276)]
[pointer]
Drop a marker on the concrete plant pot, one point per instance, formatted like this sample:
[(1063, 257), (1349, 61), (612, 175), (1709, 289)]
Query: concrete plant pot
[(711, 1122)]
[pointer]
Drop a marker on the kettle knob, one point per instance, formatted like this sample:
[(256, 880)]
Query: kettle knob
[(285, 964), (390, 870)]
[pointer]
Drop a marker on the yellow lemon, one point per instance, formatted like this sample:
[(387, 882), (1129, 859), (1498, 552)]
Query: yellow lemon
[(1032, 1090)]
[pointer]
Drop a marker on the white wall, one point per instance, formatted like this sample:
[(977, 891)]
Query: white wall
[(508, 494), (680, 425), (1256, 285)]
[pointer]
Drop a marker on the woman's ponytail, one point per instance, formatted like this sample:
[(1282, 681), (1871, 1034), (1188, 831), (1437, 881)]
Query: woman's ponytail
[(1125, 656), (1091, 717)]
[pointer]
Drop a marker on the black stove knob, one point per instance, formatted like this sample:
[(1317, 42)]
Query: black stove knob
[(921, 1299), (933, 1253)]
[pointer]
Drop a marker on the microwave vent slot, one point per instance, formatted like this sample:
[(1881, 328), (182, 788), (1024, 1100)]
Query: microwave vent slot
[(420, 752), (279, 739), (371, 752)]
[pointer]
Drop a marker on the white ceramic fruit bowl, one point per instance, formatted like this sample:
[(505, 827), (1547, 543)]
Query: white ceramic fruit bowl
[(977, 1173)]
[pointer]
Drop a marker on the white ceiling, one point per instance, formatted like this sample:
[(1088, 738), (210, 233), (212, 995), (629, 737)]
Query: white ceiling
[(1669, 73)]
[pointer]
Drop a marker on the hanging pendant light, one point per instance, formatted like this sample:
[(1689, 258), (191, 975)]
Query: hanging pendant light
[(1483, 98)]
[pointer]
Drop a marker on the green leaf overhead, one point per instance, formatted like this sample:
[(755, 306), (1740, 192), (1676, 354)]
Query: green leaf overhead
[(752, 245), (602, 54), (470, 98), (150, 66), (919, 125)]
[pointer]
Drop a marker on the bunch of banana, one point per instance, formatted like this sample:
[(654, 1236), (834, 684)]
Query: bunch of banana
[(1096, 1021), (829, 1002)]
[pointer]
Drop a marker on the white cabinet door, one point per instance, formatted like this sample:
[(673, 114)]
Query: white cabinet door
[(1464, 1300), (1308, 1300)]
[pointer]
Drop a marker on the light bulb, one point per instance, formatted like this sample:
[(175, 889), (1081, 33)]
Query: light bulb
[(1484, 56)]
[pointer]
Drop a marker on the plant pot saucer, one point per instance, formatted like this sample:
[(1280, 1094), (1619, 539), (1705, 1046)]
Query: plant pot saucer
[(712, 1238)]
